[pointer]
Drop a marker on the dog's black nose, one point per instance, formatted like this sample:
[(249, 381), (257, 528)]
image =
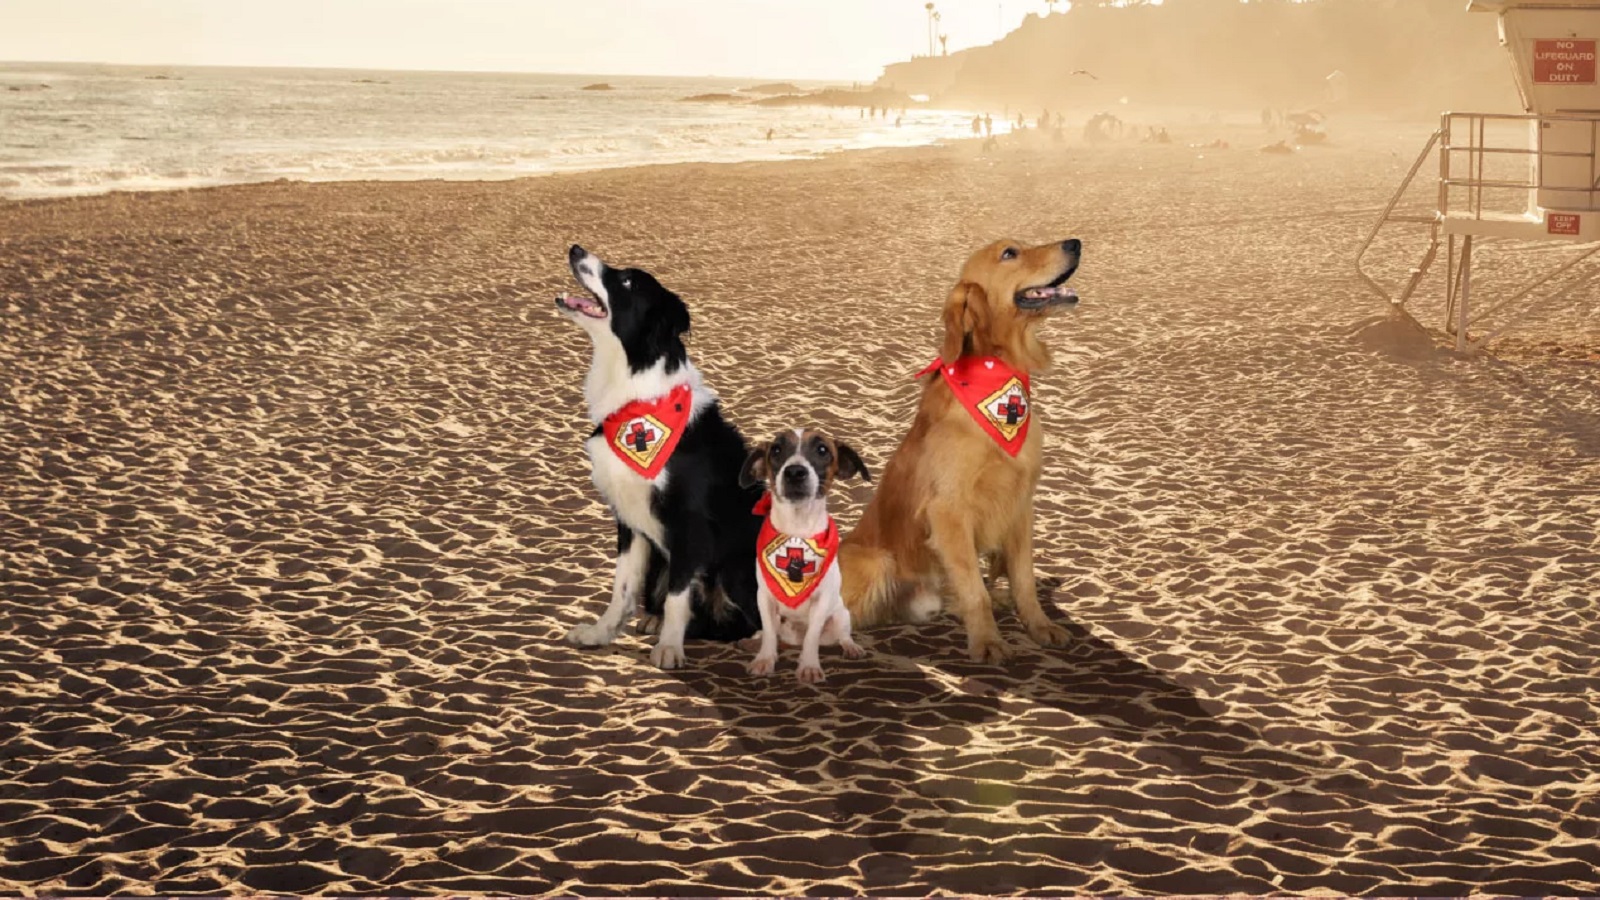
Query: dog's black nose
[(576, 253), (1072, 245), (794, 473)]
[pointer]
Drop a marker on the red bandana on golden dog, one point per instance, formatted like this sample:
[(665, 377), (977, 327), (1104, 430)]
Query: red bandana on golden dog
[(793, 565), (994, 393), (644, 433)]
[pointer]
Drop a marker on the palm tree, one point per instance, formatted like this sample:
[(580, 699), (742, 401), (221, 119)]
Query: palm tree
[(944, 45), (929, 7), (936, 17)]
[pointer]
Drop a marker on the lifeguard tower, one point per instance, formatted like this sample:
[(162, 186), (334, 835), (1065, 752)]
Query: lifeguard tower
[(1520, 178)]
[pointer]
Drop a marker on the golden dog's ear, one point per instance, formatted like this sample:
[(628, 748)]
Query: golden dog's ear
[(965, 311)]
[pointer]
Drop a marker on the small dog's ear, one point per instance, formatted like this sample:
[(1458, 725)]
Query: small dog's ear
[(964, 311), (850, 463), (754, 470)]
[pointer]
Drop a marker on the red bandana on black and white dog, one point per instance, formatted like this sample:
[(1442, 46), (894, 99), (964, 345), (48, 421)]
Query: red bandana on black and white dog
[(644, 433), (792, 565), (995, 394)]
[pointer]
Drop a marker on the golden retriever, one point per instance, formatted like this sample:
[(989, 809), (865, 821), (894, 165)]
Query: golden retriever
[(955, 491)]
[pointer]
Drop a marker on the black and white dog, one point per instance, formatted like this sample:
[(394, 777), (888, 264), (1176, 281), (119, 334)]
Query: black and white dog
[(668, 464)]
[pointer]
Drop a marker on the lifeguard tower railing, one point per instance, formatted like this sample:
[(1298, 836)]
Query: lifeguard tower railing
[(1479, 197)]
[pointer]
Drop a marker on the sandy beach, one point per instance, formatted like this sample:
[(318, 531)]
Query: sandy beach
[(294, 512)]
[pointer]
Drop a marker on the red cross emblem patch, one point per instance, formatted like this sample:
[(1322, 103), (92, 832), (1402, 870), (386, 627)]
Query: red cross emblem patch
[(641, 439), (644, 433), (1007, 408), (792, 566), (994, 393)]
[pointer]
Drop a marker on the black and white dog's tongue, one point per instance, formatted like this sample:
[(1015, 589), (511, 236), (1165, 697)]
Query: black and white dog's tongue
[(578, 303)]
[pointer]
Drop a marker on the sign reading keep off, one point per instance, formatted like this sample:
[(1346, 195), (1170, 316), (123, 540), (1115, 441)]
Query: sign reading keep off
[(1564, 62)]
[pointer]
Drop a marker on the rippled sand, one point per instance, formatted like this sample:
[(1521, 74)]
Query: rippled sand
[(295, 513)]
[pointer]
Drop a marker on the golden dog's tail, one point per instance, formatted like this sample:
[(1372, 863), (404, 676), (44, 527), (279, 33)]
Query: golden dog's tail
[(868, 584)]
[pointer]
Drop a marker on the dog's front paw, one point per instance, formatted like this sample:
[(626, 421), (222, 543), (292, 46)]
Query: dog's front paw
[(594, 634), (989, 648), (763, 665), (852, 650), (667, 656), (648, 624), (1046, 634), (809, 672)]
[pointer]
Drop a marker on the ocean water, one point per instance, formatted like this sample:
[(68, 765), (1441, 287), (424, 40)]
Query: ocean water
[(105, 128)]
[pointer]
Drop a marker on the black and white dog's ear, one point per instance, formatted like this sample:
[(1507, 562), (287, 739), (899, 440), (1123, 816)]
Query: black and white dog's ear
[(670, 317), (677, 319), (754, 471), (850, 463)]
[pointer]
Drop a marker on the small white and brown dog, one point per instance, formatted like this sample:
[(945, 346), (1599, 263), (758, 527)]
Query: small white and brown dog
[(797, 578)]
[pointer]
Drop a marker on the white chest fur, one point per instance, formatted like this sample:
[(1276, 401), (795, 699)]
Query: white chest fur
[(630, 495), (610, 385), (826, 590)]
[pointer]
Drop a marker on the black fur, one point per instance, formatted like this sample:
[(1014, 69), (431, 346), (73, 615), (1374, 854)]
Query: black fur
[(710, 531), (705, 513)]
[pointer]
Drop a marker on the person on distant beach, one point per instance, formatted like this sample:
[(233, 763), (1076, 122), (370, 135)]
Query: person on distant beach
[(898, 120), (769, 134), (988, 125), (977, 126)]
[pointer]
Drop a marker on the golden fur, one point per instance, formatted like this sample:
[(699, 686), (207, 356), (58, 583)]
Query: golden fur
[(949, 494)]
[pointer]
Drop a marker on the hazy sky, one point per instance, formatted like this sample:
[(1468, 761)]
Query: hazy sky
[(826, 39)]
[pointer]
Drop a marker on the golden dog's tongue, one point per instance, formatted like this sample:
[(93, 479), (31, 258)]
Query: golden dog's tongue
[(1059, 292)]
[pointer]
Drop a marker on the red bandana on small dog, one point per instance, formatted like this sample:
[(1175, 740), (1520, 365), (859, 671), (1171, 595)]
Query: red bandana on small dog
[(793, 566), (644, 433), (994, 393)]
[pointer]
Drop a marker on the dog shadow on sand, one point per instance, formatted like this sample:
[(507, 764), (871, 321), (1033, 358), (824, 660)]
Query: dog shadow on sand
[(916, 769)]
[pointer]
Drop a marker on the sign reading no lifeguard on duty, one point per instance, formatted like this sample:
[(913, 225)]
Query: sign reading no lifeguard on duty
[(1563, 62)]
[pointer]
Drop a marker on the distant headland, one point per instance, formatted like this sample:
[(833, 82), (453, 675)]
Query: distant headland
[(1409, 56)]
